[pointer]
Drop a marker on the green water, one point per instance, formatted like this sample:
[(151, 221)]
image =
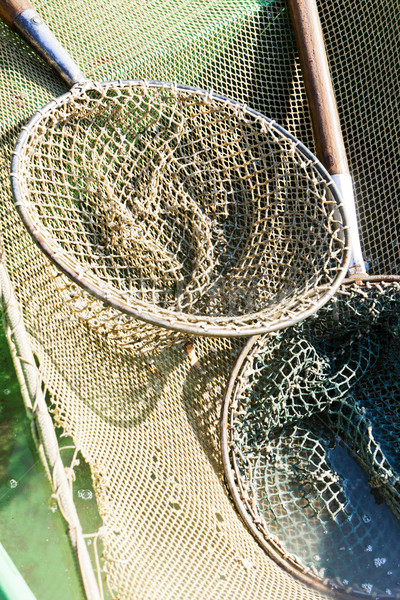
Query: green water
[(32, 529)]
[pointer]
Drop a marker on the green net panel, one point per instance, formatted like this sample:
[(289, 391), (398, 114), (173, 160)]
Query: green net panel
[(310, 430), (148, 426)]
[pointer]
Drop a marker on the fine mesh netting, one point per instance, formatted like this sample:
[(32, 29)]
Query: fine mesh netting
[(148, 426), (301, 406), (364, 53), (180, 207)]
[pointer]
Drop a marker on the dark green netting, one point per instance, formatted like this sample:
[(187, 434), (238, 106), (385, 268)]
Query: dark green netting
[(311, 432)]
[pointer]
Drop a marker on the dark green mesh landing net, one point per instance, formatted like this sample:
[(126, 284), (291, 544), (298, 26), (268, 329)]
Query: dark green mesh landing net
[(311, 430)]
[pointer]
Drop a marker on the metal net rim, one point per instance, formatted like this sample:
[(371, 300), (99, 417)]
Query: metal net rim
[(269, 542), (254, 323)]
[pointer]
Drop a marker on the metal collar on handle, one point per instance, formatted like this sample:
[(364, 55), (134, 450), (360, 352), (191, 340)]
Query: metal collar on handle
[(33, 29)]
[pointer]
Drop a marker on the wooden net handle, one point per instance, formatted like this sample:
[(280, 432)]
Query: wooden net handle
[(324, 115), (318, 84)]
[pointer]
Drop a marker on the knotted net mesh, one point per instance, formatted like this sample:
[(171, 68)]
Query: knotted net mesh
[(312, 415), (148, 426), (179, 207)]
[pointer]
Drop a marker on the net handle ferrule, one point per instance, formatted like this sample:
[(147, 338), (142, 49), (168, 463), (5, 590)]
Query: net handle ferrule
[(344, 184)]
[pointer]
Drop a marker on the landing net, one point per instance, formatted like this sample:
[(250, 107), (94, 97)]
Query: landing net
[(181, 208), (148, 426), (304, 405)]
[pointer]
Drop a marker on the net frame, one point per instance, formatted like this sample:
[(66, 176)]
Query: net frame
[(325, 211), (242, 396), (43, 432)]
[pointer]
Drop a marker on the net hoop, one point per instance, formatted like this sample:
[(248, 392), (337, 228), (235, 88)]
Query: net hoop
[(254, 322), (268, 542), (239, 488)]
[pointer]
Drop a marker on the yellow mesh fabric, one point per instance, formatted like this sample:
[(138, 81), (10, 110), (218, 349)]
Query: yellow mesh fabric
[(148, 426), (363, 48)]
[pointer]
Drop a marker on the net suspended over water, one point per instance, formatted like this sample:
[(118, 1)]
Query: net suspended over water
[(148, 426)]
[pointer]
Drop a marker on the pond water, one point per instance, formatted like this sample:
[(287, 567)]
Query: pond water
[(374, 562), (32, 529)]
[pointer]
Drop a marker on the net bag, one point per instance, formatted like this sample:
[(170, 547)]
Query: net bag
[(310, 432), (180, 208)]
